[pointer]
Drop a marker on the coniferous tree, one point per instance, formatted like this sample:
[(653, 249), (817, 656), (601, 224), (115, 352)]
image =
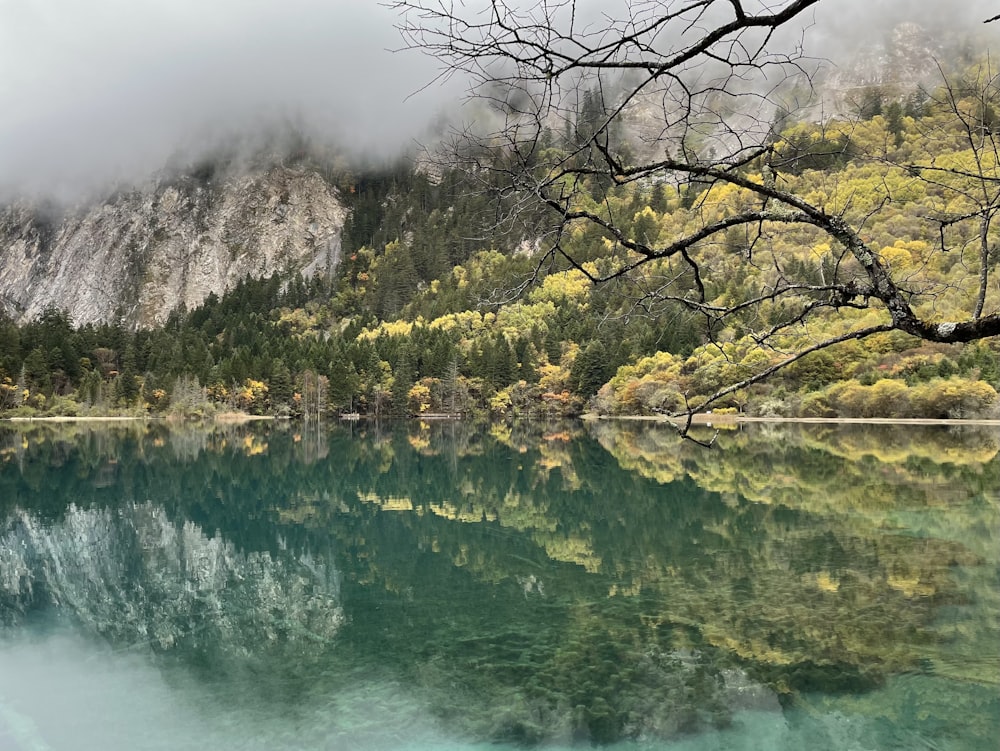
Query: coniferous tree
[(591, 369), (402, 381), (128, 379), (280, 385)]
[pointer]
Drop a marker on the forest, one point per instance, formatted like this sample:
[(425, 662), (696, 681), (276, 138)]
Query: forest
[(431, 313)]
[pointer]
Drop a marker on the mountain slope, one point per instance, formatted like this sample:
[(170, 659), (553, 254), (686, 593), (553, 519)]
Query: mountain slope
[(141, 254)]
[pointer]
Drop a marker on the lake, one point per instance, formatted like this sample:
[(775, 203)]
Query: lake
[(438, 586)]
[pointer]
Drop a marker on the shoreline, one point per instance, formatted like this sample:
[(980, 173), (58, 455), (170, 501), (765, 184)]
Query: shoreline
[(705, 420), (228, 418), (73, 418), (709, 420)]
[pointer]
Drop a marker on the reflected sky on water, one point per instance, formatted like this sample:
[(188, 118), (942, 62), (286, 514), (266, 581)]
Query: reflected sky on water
[(441, 586)]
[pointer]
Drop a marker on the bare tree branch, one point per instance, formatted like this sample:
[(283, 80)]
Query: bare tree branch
[(583, 110)]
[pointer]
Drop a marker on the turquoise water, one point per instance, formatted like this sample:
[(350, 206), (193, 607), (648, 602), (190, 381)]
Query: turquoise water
[(439, 587)]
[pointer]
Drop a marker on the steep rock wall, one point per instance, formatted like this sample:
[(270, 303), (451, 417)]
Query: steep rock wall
[(143, 253)]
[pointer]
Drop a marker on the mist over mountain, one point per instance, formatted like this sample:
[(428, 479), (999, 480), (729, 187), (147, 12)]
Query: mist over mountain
[(149, 157), (108, 92), (260, 266)]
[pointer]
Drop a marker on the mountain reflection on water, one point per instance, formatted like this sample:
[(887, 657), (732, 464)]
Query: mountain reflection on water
[(435, 586)]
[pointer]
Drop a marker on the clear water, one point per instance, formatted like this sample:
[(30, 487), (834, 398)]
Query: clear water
[(272, 587)]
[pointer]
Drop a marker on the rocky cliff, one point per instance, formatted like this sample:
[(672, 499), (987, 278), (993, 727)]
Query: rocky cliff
[(143, 253), (905, 60)]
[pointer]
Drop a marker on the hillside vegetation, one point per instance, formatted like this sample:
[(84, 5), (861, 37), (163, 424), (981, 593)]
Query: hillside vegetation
[(430, 312)]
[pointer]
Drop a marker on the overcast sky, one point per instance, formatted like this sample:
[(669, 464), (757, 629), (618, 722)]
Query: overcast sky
[(92, 90)]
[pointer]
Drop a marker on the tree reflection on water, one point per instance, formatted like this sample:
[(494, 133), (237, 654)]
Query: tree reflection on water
[(567, 584)]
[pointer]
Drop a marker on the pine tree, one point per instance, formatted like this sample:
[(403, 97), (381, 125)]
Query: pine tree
[(127, 385), (591, 369), (280, 385)]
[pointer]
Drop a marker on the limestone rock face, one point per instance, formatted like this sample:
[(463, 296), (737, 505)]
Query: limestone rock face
[(896, 66), (145, 252)]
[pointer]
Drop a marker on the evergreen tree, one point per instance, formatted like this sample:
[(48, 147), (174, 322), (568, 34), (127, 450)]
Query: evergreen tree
[(894, 122), (36, 371), (91, 388), (658, 198), (128, 379), (403, 378), (344, 382), (591, 369), (279, 385)]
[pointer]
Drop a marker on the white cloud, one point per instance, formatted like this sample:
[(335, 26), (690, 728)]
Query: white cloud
[(104, 89), (108, 88)]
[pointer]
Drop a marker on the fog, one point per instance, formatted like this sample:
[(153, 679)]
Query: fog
[(111, 90)]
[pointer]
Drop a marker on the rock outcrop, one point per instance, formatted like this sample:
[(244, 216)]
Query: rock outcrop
[(896, 67), (143, 253)]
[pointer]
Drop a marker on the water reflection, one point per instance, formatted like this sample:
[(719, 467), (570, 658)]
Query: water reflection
[(543, 586), (134, 576)]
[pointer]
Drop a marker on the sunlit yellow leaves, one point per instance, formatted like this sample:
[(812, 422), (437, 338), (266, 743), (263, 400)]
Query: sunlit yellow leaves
[(298, 322), (466, 321), (9, 394), (568, 287), (500, 403), (726, 199), (252, 396), (513, 320), (419, 398), (554, 378), (890, 398), (653, 382), (217, 392), (388, 328), (906, 255)]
